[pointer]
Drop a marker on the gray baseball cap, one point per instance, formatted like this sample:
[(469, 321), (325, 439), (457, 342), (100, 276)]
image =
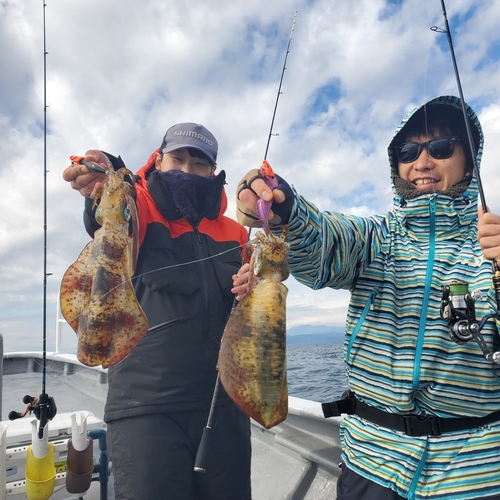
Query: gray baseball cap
[(190, 135)]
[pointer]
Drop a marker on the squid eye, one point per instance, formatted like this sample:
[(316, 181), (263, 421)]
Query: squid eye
[(127, 213), (258, 262), (256, 267)]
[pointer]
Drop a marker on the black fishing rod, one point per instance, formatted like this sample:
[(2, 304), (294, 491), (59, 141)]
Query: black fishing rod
[(199, 464), (46, 405), (464, 111), (43, 407), (281, 82), (456, 306)]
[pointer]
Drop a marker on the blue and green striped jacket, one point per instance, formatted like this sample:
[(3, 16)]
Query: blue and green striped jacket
[(399, 354)]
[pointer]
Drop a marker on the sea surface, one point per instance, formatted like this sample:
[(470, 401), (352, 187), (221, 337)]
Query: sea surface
[(316, 371)]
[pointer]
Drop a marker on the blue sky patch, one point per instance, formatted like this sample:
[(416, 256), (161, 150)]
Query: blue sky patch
[(365, 194), (323, 97)]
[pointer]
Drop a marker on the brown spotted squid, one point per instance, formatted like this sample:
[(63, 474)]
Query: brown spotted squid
[(97, 296), (252, 357)]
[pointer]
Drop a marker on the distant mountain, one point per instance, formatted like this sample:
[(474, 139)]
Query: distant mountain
[(315, 334)]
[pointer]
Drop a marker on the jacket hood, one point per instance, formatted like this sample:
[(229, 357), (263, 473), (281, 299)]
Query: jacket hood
[(453, 105)]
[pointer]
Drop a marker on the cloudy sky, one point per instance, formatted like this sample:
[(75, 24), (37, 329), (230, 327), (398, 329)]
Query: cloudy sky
[(120, 73)]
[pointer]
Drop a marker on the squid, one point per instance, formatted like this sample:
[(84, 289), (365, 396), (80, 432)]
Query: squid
[(97, 298), (252, 356)]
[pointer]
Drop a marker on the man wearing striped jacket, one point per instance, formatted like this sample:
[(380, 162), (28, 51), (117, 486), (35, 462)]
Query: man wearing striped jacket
[(422, 415)]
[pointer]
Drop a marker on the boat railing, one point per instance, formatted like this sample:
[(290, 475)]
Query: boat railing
[(59, 322), (1, 373)]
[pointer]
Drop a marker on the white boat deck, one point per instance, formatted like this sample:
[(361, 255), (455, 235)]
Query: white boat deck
[(296, 460)]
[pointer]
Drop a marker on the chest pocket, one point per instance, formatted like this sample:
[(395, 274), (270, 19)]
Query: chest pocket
[(166, 264)]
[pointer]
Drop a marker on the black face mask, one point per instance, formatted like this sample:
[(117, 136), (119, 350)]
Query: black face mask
[(188, 192)]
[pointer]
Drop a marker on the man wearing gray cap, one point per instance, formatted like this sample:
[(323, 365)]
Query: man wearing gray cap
[(159, 396)]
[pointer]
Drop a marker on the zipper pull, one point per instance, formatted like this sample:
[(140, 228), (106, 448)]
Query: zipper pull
[(432, 204)]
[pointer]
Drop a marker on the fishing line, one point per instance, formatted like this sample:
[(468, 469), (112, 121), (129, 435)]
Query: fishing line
[(425, 89), (173, 266), (190, 262), (34, 239), (53, 373), (426, 99)]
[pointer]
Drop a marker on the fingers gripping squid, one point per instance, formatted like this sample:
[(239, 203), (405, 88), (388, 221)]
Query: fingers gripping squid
[(97, 297), (252, 357)]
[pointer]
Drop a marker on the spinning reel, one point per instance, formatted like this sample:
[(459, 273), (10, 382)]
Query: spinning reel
[(43, 407), (457, 306)]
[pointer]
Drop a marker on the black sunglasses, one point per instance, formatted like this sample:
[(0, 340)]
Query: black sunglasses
[(440, 149)]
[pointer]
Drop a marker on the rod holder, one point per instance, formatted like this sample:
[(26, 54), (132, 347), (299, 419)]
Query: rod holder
[(40, 469), (3, 460), (80, 461)]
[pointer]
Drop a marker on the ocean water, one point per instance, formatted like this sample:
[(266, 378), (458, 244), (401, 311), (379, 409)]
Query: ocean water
[(316, 372)]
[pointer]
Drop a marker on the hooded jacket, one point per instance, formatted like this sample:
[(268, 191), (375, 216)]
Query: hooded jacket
[(399, 355), (183, 281)]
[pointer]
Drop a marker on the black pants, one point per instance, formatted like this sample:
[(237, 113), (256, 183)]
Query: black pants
[(352, 486), (153, 456)]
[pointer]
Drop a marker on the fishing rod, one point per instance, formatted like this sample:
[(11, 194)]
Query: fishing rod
[(266, 171), (457, 303), (464, 111), (43, 407), (199, 464), (279, 88), (46, 404)]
